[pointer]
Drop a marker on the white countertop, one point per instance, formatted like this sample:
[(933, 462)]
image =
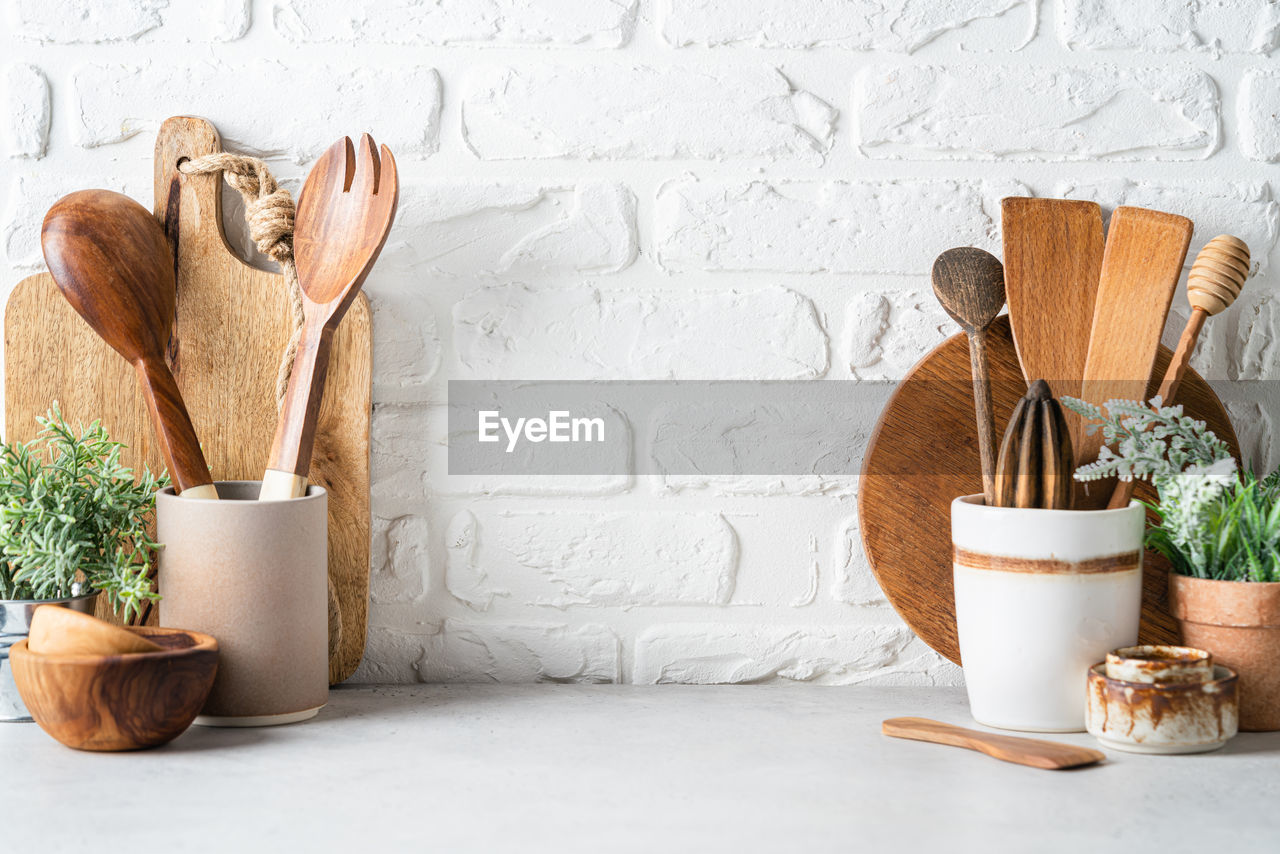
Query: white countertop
[(569, 768)]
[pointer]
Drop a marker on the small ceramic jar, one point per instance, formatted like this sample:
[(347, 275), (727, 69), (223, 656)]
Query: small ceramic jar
[(1162, 699), (1156, 663)]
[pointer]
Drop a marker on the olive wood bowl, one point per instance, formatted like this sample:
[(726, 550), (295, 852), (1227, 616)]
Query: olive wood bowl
[(119, 702)]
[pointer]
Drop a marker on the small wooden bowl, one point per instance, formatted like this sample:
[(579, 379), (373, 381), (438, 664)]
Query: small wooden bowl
[(119, 702)]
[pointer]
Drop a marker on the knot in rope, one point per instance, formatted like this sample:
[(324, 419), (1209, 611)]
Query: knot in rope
[(269, 212)]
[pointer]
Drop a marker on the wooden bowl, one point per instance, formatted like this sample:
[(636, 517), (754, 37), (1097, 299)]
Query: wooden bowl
[(119, 702)]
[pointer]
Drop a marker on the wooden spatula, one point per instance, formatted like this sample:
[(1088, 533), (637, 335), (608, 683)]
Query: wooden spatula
[(344, 212), (109, 257), (1052, 260), (1051, 755), (1213, 284), (1140, 271), (969, 283)]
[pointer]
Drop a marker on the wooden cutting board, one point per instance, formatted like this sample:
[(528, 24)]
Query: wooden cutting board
[(924, 453), (232, 324)]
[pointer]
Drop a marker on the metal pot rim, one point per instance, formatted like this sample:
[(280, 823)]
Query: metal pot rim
[(60, 601)]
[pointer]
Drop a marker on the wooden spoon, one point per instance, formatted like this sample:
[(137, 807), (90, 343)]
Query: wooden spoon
[(60, 631), (1052, 261), (345, 210), (1140, 271), (1213, 284), (970, 285), (1050, 755), (109, 257)]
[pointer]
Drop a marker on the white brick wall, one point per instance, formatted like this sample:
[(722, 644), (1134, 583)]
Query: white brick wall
[(649, 189)]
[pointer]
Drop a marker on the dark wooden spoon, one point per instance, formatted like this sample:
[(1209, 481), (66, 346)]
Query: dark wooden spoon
[(969, 283), (110, 259), (344, 213)]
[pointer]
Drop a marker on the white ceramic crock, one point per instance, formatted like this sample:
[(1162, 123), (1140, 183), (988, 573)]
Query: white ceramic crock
[(1041, 596)]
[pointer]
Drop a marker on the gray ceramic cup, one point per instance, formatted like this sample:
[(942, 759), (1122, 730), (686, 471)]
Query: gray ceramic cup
[(254, 574)]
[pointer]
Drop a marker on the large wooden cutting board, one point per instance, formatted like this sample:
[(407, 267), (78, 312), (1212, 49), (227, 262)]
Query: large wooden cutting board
[(924, 453), (232, 325)]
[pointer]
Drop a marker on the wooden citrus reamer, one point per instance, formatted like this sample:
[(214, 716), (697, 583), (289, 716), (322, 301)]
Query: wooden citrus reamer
[(110, 258), (345, 211), (1213, 284), (1035, 462)]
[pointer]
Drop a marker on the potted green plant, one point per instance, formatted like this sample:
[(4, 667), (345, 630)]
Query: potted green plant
[(1220, 530), (73, 525)]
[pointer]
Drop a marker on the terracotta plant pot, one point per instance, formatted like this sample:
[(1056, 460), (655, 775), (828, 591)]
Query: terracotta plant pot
[(1239, 622)]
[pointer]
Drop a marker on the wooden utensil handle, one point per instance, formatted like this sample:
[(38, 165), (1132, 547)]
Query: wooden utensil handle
[(982, 410), (1182, 356), (177, 437), (934, 732), (296, 428), (1123, 492)]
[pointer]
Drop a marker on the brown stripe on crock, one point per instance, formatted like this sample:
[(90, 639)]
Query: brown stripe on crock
[(1046, 566)]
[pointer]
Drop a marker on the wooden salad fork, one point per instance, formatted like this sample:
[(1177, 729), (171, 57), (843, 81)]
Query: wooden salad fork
[(345, 211)]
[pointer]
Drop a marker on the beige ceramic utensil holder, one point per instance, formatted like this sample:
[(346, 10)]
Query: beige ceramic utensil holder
[(252, 574)]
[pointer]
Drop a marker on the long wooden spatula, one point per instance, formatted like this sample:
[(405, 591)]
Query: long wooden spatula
[(1213, 284), (1052, 260), (344, 212), (1140, 271), (1050, 755), (109, 257)]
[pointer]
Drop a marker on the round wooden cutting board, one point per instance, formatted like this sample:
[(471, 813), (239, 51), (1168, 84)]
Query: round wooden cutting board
[(924, 453)]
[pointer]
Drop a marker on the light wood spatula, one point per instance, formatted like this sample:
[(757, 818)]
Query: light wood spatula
[(1052, 260), (344, 213), (110, 258), (1140, 271), (1213, 284), (1050, 755)]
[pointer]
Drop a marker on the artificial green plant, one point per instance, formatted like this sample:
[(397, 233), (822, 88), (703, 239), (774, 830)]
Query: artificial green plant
[(73, 518), (1213, 521)]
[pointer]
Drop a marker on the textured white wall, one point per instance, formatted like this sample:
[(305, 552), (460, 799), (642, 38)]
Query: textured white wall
[(658, 171)]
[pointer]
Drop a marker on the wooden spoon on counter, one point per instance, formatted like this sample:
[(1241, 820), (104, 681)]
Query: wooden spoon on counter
[(1050, 755), (109, 257), (969, 283), (345, 211), (1213, 284)]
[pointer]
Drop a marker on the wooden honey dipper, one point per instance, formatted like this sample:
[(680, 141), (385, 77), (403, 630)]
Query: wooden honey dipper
[(1212, 285)]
